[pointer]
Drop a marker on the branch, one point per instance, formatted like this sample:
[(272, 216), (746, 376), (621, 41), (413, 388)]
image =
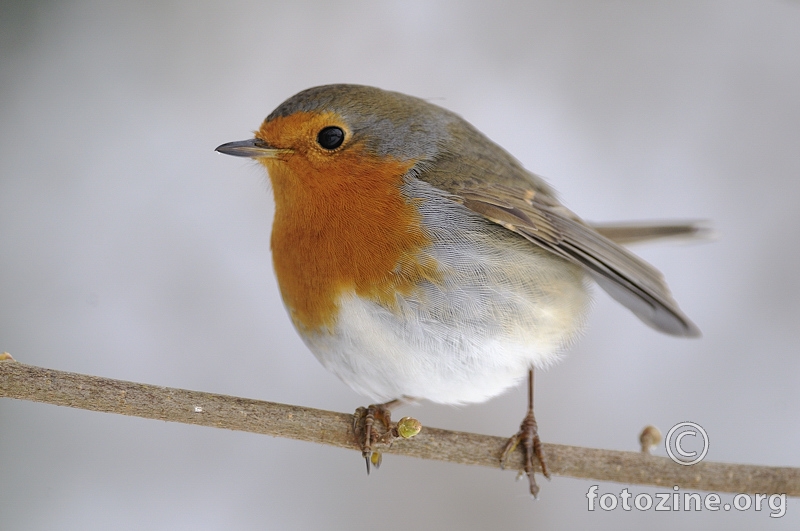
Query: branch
[(60, 388)]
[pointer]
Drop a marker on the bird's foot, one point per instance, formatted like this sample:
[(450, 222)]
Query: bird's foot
[(528, 438), (367, 430)]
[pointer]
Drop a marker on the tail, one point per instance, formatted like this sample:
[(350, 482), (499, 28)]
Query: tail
[(637, 232)]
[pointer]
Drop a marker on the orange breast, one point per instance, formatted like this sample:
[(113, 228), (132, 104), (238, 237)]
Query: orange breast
[(342, 226)]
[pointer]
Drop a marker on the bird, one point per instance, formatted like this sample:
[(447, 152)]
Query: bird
[(419, 260)]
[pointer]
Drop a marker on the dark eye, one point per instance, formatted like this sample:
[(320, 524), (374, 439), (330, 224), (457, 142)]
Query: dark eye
[(330, 137)]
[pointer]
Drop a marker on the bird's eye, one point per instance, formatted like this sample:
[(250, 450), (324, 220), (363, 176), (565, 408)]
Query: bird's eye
[(331, 137)]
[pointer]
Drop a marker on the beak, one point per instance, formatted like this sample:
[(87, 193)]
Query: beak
[(253, 148)]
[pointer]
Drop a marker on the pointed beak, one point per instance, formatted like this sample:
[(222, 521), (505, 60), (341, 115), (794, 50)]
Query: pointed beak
[(253, 148)]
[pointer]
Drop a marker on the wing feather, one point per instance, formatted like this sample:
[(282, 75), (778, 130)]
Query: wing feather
[(539, 218)]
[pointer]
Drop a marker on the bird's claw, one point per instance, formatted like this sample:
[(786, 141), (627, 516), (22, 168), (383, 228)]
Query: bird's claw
[(528, 438), (364, 427)]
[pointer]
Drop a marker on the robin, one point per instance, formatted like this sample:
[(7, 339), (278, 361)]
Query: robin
[(419, 260)]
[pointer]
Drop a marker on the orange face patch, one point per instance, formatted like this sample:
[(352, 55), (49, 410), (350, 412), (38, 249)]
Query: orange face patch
[(341, 222)]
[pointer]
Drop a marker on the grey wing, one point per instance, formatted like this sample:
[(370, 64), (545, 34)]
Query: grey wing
[(545, 222)]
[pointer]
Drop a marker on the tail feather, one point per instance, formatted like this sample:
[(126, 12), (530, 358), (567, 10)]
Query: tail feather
[(637, 232)]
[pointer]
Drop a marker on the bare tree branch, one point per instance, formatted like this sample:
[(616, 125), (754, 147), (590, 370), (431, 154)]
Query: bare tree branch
[(26, 382)]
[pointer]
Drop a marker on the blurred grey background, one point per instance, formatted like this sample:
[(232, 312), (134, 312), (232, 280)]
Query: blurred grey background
[(130, 249)]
